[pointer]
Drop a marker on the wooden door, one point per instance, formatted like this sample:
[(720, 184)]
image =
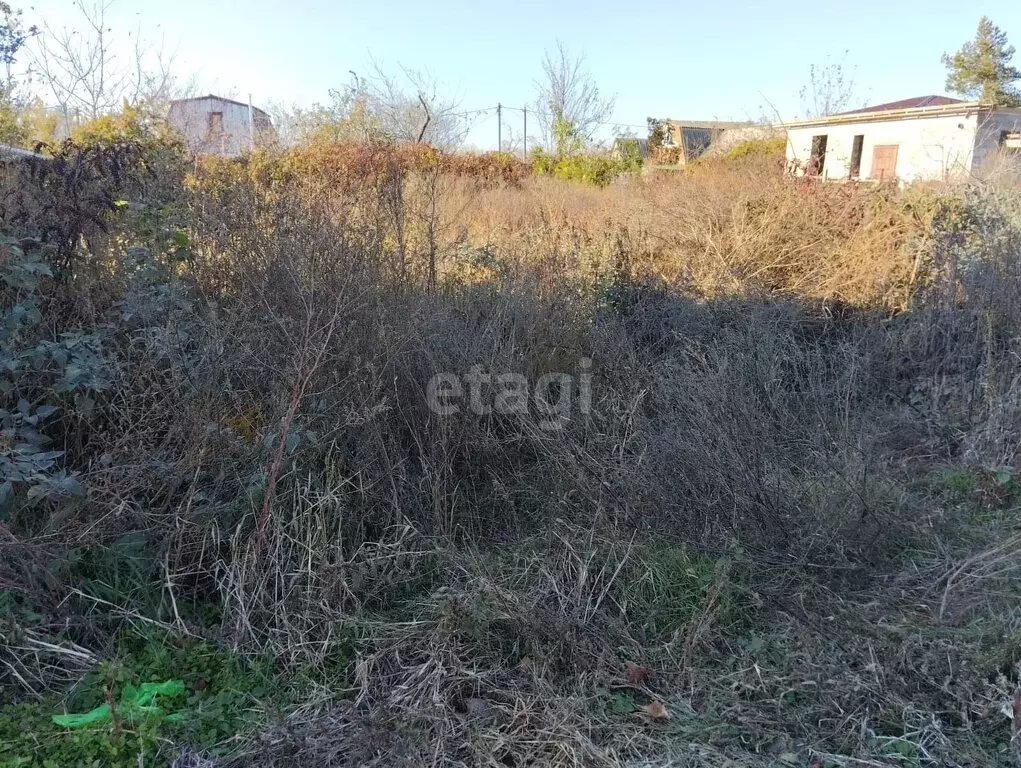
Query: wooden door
[(884, 162)]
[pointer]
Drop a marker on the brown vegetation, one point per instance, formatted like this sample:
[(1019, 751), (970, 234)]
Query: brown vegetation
[(792, 505)]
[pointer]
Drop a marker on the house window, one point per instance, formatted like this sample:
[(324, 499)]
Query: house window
[(215, 123), (817, 161), (1010, 142), (856, 151)]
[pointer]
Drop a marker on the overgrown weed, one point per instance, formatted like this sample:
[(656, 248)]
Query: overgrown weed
[(786, 531)]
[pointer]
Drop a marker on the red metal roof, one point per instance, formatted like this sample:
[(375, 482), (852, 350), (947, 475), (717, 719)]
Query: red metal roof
[(918, 101)]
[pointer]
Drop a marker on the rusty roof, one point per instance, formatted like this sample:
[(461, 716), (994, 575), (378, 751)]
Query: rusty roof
[(917, 101)]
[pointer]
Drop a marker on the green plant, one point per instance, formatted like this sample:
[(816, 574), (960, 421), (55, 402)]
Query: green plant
[(210, 699), (668, 587), (29, 738), (774, 146), (597, 170), (34, 370)]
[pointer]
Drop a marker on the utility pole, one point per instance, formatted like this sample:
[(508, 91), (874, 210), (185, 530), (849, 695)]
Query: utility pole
[(524, 135), (499, 127)]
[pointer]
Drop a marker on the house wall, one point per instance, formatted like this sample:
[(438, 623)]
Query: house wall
[(931, 148), (191, 119), (991, 128)]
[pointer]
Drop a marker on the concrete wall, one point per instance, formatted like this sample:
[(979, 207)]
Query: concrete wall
[(931, 148), (191, 118)]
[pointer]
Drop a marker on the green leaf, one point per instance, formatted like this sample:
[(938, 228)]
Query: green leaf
[(622, 704)]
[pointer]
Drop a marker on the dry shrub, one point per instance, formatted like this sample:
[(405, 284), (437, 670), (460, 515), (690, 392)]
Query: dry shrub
[(769, 358), (317, 319), (737, 228)]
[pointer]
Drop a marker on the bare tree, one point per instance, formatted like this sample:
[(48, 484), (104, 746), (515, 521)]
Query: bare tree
[(409, 106), (569, 106), (87, 79), (298, 125), (830, 89)]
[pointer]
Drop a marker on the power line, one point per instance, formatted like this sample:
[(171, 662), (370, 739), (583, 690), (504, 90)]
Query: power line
[(525, 110), (597, 122)]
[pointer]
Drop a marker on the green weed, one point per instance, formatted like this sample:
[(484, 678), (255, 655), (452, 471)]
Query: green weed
[(225, 697), (669, 586)]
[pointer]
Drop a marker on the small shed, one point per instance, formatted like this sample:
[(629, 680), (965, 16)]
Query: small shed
[(216, 125), (688, 140), (928, 138)]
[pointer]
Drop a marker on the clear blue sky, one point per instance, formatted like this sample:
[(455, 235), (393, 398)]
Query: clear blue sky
[(722, 60)]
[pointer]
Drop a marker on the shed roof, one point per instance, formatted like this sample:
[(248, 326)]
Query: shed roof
[(218, 98)]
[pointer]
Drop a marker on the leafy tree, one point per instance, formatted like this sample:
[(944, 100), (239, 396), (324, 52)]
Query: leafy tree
[(981, 68), (320, 122), (13, 36), (657, 133), (566, 138), (37, 123)]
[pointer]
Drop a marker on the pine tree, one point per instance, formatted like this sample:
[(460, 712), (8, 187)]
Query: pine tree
[(982, 70)]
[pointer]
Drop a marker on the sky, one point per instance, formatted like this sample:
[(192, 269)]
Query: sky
[(732, 60)]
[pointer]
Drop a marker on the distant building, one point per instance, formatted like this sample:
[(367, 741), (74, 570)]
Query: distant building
[(693, 138), (926, 138), (215, 125)]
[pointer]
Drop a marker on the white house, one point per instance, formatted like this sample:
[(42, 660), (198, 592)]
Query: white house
[(926, 138), (215, 125)]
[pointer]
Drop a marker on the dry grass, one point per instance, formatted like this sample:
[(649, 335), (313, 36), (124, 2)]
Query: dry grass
[(731, 228), (755, 515)]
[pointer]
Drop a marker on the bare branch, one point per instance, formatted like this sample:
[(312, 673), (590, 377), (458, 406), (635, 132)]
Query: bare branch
[(568, 94), (87, 79), (425, 125), (830, 89)]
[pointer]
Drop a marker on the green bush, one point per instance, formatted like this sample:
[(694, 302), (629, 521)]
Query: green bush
[(598, 170), (774, 145)]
